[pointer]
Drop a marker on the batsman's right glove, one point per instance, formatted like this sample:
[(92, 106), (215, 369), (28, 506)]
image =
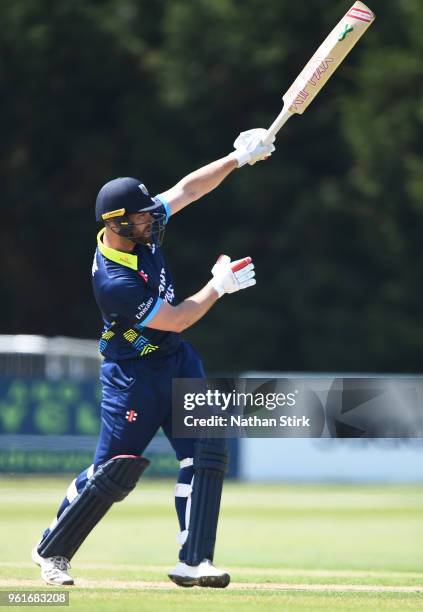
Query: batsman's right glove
[(229, 277)]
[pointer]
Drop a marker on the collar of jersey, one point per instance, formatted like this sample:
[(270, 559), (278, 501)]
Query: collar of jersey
[(119, 257)]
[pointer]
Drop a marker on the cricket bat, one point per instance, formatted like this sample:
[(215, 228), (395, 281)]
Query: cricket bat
[(323, 64)]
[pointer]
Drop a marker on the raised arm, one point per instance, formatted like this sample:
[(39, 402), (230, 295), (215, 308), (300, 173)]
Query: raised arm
[(248, 150)]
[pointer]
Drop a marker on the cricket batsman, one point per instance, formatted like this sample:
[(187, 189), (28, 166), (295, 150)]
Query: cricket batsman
[(143, 351)]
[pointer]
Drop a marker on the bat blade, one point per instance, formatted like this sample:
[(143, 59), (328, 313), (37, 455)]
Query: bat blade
[(323, 64), (328, 57)]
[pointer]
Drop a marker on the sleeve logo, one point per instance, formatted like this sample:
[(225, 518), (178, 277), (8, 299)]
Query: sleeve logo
[(144, 308)]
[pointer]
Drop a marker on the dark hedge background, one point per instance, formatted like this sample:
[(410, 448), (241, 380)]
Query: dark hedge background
[(91, 90)]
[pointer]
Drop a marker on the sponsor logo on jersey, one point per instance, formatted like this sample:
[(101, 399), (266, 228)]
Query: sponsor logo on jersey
[(143, 275), (167, 293), (143, 308), (169, 296)]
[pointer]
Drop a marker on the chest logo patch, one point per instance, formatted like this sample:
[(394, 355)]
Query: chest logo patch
[(143, 275)]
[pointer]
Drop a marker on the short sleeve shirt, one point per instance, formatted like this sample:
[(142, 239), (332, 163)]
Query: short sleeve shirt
[(129, 289)]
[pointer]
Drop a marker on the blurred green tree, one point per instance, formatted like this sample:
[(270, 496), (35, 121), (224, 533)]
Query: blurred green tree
[(93, 90)]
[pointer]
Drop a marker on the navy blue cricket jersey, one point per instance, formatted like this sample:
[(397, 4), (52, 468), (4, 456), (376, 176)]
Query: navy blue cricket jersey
[(129, 289)]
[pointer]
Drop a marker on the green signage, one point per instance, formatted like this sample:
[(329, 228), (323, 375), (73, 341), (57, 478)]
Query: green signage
[(39, 416), (39, 406)]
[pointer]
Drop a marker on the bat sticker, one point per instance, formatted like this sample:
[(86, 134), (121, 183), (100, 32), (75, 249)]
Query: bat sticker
[(345, 32)]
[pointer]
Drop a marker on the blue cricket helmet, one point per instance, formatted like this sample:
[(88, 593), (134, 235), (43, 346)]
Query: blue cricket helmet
[(125, 195), (122, 196)]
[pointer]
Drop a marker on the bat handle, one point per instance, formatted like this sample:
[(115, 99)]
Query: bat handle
[(280, 120)]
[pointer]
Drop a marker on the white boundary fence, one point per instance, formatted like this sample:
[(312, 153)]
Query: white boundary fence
[(329, 459), (51, 357)]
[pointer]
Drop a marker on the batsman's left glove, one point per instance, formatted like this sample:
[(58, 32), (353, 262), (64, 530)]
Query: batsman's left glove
[(229, 277)]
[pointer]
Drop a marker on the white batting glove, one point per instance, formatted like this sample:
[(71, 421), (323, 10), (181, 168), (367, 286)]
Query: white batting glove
[(249, 147), (230, 277)]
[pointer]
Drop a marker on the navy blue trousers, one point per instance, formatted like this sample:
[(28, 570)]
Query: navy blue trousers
[(137, 401)]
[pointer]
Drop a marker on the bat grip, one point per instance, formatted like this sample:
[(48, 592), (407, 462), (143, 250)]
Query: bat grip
[(280, 120)]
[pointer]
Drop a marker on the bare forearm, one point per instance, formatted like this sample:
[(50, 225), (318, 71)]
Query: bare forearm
[(177, 318), (228, 277), (195, 307), (205, 179)]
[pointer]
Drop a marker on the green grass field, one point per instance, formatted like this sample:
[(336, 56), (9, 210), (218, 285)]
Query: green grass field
[(311, 547)]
